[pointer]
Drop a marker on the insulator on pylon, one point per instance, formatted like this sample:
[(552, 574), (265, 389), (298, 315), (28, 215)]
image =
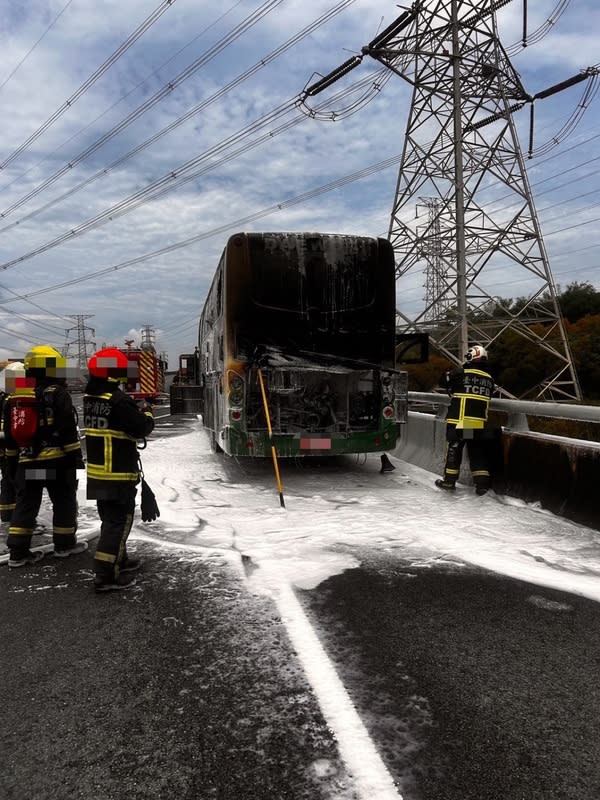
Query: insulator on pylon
[(558, 87), (338, 73), (399, 24)]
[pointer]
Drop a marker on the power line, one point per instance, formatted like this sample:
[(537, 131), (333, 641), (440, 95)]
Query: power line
[(337, 184), (502, 268), (111, 212), (544, 29), (32, 48), (173, 329), (166, 90), (17, 296), (340, 182), (136, 86), (11, 332), (34, 322), (549, 178), (309, 29), (89, 82), (185, 172)]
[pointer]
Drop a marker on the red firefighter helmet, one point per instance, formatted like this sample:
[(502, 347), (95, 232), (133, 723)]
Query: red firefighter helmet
[(111, 364)]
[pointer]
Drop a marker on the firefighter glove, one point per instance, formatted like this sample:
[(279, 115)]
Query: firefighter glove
[(149, 506)]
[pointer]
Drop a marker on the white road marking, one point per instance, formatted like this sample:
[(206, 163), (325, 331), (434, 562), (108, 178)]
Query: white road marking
[(371, 776)]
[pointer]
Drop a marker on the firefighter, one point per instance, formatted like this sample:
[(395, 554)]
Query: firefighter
[(113, 424), (470, 388), (7, 488), (48, 459)]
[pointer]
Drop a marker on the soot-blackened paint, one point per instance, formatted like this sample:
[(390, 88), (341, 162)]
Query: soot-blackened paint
[(319, 296)]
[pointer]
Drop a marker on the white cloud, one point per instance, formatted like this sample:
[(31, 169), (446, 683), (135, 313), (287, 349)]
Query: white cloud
[(168, 291)]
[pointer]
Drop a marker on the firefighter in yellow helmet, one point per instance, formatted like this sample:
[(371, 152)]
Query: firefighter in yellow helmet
[(43, 452), (113, 425)]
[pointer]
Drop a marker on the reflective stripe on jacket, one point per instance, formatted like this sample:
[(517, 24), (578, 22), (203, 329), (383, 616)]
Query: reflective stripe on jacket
[(57, 436), (113, 425), (470, 392)]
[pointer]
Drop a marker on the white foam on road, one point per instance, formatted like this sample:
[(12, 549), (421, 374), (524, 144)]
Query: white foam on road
[(331, 514), (210, 501)]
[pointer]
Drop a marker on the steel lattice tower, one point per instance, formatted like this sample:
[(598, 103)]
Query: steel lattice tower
[(80, 342), (148, 338), (461, 156), (434, 243)]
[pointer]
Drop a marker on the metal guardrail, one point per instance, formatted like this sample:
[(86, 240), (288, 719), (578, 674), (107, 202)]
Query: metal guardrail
[(558, 472), (519, 410)]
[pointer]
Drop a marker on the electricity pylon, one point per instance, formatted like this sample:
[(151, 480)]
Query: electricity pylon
[(80, 342), (461, 149), (438, 305), (148, 338), (462, 159)]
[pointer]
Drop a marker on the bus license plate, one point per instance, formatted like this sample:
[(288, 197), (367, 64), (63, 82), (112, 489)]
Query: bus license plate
[(315, 444)]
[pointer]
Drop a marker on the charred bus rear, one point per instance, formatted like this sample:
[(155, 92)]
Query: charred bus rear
[(316, 314)]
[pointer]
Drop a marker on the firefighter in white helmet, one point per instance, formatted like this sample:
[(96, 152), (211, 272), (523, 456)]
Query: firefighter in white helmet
[(13, 370), (470, 388)]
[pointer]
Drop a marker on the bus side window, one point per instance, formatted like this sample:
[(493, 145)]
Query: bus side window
[(219, 308)]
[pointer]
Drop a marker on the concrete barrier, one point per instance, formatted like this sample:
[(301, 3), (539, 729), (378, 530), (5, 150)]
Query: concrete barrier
[(563, 475)]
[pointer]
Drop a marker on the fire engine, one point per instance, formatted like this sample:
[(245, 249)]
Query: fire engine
[(149, 383)]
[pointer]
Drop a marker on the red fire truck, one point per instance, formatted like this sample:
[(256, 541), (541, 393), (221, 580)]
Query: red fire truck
[(149, 384)]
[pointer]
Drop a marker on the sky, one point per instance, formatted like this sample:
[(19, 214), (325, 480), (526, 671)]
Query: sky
[(83, 85)]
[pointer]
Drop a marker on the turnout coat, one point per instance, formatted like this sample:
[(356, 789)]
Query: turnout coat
[(470, 388), (56, 444), (113, 426)]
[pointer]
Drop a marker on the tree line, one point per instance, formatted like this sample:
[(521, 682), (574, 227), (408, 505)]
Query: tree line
[(518, 364)]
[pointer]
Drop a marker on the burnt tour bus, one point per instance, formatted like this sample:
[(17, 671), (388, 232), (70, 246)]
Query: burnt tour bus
[(315, 314)]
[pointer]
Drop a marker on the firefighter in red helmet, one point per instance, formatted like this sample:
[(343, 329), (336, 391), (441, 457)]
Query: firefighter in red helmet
[(113, 425)]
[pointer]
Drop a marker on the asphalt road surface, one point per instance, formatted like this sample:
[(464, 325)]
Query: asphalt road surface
[(473, 686), (469, 685)]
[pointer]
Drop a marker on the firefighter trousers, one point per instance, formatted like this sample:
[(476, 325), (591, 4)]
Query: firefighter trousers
[(7, 492), (61, 485), (478, 461), (117, 519)]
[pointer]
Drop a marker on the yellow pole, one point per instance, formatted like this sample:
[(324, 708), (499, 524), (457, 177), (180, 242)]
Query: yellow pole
[(273, 450)]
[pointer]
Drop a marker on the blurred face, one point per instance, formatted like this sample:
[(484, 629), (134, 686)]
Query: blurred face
[(10, 379)]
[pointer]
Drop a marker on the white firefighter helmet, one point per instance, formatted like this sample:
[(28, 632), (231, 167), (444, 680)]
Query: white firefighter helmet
[(476, 353), (12, 371)]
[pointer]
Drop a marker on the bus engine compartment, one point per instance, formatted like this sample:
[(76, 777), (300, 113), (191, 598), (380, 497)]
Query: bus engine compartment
[(317, 401)]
